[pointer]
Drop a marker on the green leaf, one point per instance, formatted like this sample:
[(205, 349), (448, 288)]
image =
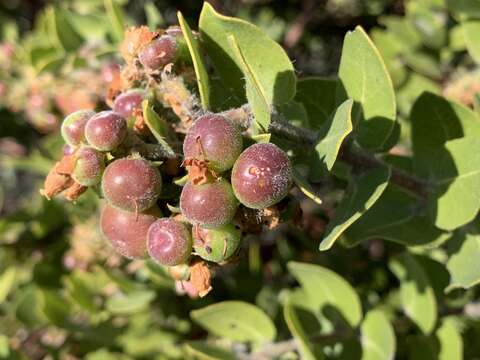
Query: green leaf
[(28, 309), (295, 113), (416, 293), (205, 351), (266, 61), (237, 321), (7, 280), (318, 96), (362, 195), (457, 181), (130, 303), (399, 223), (62, 33), (255, 94), (334, 133), (305, 187), (116, 17), (158, 126), (450, 165), (435, 120), (464, 9), (198, 62), (462, 264), (79, 292), (324, 289), (4, 347), (153, 15), (296, 328), (450, 339), (378, 337), (471, 33), (365, 79)]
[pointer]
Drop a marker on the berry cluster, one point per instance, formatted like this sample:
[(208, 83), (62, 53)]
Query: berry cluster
[(221, 177)]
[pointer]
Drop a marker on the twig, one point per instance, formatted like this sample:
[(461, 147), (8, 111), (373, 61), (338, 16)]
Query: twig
[(358, 159)]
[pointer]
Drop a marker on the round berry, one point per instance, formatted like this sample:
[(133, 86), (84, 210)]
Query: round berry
[(128, 102), (216, 245), (159, 52), (106, 130), (261, 176), (169, 242), (127, 231), (89, 166), (73, 126), (210, 205), (215, 139), (131, 184)]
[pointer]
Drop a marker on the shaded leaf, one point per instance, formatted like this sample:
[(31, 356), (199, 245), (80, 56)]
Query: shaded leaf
[(158, 126), (365, 79), (305, 186), (295, 326), (236, 320), (416, 293), (317, 94), (198, 62), (362, 195), (325, 289), (61, 30), (377, 337), (334, 133)]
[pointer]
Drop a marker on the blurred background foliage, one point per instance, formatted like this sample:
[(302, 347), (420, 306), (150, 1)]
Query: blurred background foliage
[(64, 294)]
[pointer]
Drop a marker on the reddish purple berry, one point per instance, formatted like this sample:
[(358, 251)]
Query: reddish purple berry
[(209, 205), (169, 242), (128, 102), (216, 245), (131, 184), (159, 52), (89, 166), (127, 231), (106, 130), (73, 126), (261, 176), (215, 139)]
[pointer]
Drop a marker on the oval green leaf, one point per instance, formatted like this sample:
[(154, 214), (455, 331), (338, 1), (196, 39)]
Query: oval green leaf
[(198, 62), (377, 337), (416, 293), (363, 193), (333, 134), (324, 289), (237, 321), (462, 264), (364, 78)]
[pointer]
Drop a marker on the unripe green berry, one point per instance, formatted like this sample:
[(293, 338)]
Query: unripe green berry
[(89, 166), (216, 245), (73, 126)]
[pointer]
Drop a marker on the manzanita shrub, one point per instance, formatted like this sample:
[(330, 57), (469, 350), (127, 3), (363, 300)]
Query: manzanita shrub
[(224, 207)]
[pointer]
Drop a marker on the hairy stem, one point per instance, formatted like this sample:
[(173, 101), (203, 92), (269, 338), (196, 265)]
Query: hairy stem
[(358, 159)]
